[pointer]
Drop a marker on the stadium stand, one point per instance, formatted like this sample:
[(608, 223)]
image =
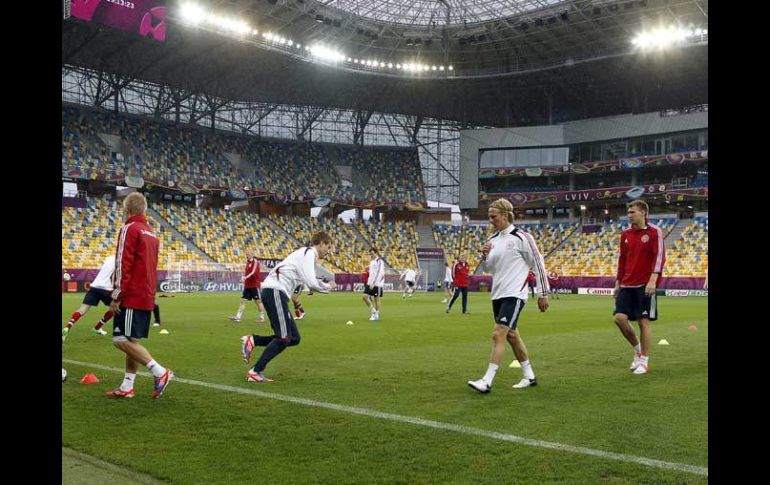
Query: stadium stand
[(595, 253), (688, 256), (170, 155), (89, 235), (395, 240)]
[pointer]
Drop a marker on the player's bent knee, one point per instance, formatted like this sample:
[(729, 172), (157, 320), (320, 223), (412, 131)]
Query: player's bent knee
[(119, 341), (621, 319)]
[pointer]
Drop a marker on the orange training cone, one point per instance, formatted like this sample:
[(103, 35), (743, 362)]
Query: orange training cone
[(89, 378)]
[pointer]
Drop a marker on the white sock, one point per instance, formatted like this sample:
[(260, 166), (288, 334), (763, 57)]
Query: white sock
[(156, 369), (238, 315), (638, 348), (128, 382), (490, 375), (526, 368)]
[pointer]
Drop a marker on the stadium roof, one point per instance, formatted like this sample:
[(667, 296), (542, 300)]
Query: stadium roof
[(536, 62), (431, 12)]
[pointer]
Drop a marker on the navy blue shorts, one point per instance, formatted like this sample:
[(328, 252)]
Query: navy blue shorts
[(250, 294), (277, 308), (131, 323), (96, 295), (507, 311), (373, 291), (410, 284), (633, 303)]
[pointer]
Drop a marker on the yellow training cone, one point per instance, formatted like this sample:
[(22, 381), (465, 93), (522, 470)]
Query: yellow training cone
[(163, 332), (515, 364), (663, 342), (348, 323)]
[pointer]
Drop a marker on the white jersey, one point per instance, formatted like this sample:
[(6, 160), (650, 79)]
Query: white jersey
[(103, 280), (448, 275), (410, 275), (297, 269), (376, 273), (512, 255)]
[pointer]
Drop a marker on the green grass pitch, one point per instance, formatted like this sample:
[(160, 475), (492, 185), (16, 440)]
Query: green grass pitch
[(414, 362)]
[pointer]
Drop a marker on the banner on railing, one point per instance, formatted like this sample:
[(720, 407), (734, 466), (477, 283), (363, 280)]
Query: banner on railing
[(430, 253), (598, 166), (612, 193)]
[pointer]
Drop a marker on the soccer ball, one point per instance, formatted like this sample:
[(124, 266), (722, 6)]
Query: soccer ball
[(63, 374)]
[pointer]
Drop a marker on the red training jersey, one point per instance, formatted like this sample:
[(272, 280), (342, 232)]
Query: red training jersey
[(641, 253), (553, 279), (460, 271), (136, 263), (252, 274), (531, 277)]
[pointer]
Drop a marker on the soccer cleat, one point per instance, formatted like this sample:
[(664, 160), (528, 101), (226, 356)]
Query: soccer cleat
[(156, 324), (444, 301), (637, 360), (118, 394), (64, 332), (99, 331), (448, 310), (299, 315), (63, 374), (372, 318), (525, 383), (247, 347), (161, 383), (235, 319), (642, 369), (252, 376), (480, 386)]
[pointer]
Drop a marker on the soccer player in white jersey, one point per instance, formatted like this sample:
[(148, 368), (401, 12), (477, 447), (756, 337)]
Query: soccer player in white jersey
[(509, 254), (375, 283), (298, 268), (409, 276), (99, 291), (447, 282)]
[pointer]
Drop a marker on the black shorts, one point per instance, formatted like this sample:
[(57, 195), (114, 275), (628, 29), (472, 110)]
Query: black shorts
[(250, 294), (507, 310), (410, 284), (277, 308), (131, 323), (373, 291), (633, 303), (96, 295)]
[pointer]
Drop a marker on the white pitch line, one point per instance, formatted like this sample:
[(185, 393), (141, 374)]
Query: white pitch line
[(608, 455)]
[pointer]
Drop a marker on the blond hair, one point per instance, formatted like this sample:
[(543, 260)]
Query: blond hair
[(135, 203), (639, 204), (503, 206)]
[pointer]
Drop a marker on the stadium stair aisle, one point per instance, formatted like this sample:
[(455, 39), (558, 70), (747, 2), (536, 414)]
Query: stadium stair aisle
[(189, 245)]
